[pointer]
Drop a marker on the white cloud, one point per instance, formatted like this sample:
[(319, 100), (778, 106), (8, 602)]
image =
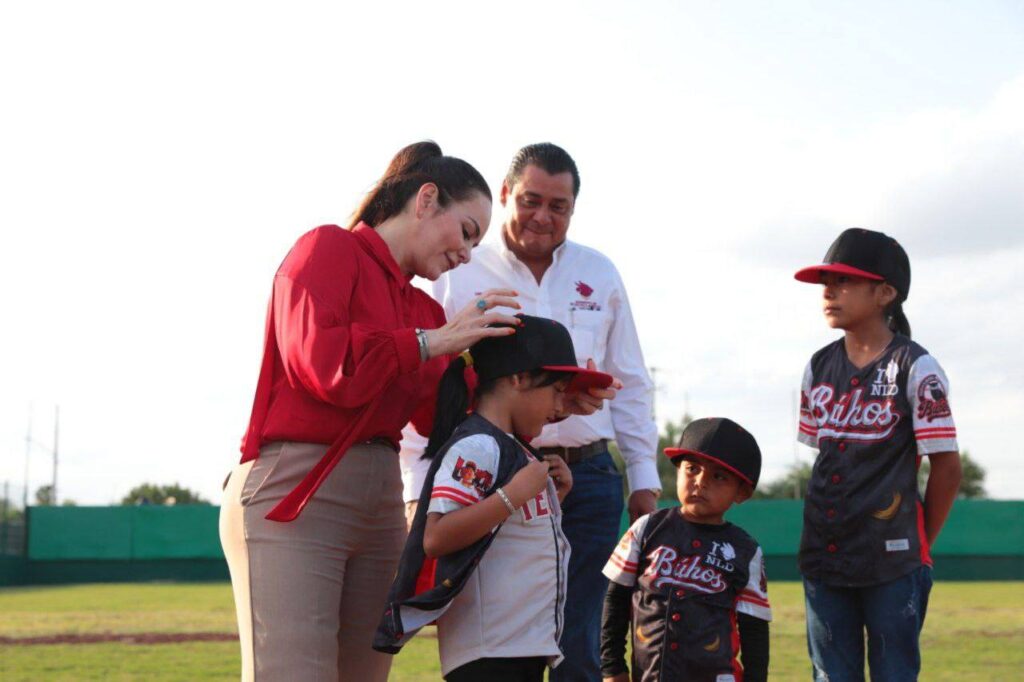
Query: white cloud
[(158, 164)]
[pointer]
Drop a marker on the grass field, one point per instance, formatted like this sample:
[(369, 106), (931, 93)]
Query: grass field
[(974, 632)]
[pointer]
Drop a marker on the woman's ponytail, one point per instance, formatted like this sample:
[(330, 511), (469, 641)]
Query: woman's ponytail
[(897, 319), (411, 168), (451, 407)]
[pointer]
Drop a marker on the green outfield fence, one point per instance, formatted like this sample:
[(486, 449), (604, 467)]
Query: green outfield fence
[(983, 540)]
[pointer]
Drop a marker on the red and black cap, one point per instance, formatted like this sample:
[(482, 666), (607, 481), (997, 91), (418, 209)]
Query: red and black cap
[(723, 442), (864, 253), (539, 343)]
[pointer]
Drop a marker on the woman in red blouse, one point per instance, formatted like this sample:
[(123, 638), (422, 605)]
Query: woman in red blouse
[(312, 521)]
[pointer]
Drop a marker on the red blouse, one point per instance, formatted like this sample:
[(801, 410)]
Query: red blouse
[(341, 364)]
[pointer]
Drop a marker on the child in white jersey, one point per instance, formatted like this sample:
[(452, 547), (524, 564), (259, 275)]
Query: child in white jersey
[(486, 557)]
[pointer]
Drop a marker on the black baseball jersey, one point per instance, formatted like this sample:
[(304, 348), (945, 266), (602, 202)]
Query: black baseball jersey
[(863, 517), (689, 581)]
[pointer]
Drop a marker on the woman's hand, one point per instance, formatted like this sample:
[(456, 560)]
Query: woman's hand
[(469, 325), (560, 474), (528, 483)]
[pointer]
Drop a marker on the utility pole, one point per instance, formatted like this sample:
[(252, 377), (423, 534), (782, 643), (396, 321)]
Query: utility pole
[(28, 454), (29, 442), (56, 434)]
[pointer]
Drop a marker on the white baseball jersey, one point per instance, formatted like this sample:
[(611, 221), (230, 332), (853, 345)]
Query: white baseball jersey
[(513, 602)]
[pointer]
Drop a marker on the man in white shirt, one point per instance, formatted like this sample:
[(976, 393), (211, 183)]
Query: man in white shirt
[(579, 287)]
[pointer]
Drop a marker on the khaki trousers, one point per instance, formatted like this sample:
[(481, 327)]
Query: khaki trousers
[(309, 593)]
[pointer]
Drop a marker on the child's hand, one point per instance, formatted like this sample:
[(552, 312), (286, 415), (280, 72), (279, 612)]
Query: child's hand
[(560, 474), (528, 482)]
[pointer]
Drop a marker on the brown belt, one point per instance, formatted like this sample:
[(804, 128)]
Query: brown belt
[(575, 455)]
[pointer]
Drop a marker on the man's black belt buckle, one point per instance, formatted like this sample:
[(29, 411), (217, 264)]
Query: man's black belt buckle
[(575, 455)]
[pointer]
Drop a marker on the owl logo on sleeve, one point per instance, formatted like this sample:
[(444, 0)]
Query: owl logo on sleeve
[(932, 402)]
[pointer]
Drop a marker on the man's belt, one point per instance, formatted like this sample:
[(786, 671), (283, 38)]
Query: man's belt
[(574, 455)]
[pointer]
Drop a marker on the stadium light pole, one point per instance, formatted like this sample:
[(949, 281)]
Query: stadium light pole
[(29, 442)]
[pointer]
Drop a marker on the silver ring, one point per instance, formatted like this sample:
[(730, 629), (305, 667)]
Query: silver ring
[(481, 304)]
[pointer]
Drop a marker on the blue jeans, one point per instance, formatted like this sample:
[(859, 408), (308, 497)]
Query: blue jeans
[(591, 515), (893, 614)]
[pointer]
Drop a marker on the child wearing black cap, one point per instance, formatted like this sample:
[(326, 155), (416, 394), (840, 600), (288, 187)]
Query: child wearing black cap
[(694, 582), (873, 403), (486, 557)]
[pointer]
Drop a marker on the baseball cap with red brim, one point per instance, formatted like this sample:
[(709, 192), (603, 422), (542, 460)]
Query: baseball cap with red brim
[(723, 442), (864, 253), (539, 343), (583, 379)]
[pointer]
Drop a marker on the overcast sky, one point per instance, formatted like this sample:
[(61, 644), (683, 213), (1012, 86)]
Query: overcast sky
[(156, 163)]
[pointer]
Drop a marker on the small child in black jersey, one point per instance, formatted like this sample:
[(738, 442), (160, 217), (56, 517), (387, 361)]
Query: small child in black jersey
[(696, 583)]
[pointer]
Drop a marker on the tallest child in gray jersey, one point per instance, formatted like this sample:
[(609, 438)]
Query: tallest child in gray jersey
[(873, 403)]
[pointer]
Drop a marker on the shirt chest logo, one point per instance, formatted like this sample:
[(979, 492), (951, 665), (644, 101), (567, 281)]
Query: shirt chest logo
[(537, 508), (884, 384), (852, 415), (721, 556), (667, 568), (586, 291)]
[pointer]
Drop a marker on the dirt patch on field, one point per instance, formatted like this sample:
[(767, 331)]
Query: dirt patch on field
[(122, 638)]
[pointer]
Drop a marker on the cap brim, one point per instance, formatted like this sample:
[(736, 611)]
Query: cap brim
[(584, 379), (812, 275), (676, 454)]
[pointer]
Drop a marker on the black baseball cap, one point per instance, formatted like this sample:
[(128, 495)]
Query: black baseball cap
[(723, 442), (864, 253), (539, 343)]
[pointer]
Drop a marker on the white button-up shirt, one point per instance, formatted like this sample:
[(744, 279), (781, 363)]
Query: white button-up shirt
[(583, 290)]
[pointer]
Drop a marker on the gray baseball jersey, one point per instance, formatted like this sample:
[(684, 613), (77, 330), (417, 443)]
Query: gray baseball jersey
[(513, 603)]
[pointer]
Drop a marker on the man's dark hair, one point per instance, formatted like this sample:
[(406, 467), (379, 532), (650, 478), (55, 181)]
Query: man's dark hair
[(550, 158)]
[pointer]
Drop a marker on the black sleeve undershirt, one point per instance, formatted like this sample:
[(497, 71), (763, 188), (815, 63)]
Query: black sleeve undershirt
[(614, 628), (753, 647)]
